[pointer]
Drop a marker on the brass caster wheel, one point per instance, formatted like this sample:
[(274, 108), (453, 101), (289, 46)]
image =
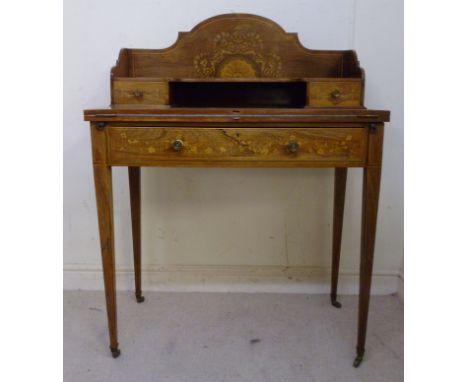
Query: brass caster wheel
[(115, 352), (335, 303), (357, 360)]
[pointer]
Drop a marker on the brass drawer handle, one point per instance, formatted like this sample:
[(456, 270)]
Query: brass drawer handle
[(177, 145), (335, 94), (293, 147), (138, 93)]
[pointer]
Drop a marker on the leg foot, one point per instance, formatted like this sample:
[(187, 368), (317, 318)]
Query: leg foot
[(335, 303), (115, 352), (357, 360), (139, 297)]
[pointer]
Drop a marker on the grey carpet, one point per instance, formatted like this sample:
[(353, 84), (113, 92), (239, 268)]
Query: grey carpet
[(223, 337)]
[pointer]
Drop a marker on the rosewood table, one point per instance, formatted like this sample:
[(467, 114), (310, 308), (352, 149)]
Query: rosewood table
[(237, 91)]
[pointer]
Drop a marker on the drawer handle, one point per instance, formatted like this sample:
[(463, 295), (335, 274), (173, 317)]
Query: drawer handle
[(335, 94), (138, 93), (293, 147), (177, 145)]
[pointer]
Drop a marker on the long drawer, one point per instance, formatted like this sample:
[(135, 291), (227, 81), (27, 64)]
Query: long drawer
[(192, 146)]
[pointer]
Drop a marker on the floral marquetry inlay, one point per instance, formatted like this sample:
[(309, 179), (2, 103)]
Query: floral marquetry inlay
[(234, 144), (237, 54)]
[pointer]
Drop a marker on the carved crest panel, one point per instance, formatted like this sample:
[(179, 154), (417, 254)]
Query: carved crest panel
[(238, 55)]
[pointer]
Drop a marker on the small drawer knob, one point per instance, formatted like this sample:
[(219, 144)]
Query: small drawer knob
[(138, 93), (293, 147), (335, 94), (177, 145)]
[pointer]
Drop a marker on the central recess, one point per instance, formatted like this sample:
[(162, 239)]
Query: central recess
[(237, 94)]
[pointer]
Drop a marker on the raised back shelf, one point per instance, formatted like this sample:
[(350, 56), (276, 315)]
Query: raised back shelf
[(272, 64)]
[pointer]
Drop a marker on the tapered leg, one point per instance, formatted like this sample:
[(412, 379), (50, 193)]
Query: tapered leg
[(103, 184), (135, 206), (371, 187), (338, 211)]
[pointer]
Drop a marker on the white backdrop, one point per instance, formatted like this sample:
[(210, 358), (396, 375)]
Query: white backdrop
[(230, 229)]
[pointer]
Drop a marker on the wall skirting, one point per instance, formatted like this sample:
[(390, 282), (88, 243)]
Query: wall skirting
[(401, 286), (214, 278)]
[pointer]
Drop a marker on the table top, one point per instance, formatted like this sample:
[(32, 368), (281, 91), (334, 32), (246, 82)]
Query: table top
[(163, 113)]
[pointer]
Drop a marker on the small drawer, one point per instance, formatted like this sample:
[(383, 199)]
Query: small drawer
[(236, 146), (335, 93), (140, 92)]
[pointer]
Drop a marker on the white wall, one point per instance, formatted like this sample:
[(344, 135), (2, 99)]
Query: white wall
[(230, 229)]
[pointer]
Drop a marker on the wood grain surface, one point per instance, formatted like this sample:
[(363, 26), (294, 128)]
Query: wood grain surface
[(236, 45)]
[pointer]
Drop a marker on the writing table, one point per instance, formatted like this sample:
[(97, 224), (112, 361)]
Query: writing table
[(237, 91)]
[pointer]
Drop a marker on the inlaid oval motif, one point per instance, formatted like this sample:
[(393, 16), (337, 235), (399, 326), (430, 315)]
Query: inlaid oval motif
[(237, 67), (237, 54)]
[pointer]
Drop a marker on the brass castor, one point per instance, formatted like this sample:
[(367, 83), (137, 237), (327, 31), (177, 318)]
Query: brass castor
[(335, 303), (358, 360), (115, 352), (139, 297)]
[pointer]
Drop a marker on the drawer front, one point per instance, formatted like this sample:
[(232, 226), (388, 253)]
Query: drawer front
[(140, 92), (335, 93), (236, 146)]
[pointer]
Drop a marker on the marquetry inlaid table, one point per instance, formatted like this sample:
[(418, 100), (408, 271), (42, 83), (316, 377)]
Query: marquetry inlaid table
[(237, 91)]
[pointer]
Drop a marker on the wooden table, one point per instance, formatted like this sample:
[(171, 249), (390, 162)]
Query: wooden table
[(237, 91)]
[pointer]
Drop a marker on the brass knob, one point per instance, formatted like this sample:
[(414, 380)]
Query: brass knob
[(138, 93), (293, 147), (177, 145), (335, 94)]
